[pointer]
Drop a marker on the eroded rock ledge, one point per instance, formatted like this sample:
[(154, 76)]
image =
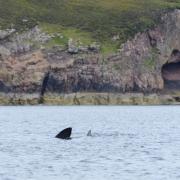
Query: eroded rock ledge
[(90, 99), (28, 67)]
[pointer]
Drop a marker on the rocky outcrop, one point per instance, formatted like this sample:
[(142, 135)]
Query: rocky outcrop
[(23, 74), (26, 67), (5, 33), (19, 43), (75, 47)]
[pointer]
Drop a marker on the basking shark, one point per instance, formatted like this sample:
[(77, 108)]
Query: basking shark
[(89, 133), (65, 134)]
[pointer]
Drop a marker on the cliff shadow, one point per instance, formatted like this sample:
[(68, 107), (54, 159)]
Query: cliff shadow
[(44, 87)]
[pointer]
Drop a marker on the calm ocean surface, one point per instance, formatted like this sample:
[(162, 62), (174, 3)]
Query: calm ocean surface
[(128, 143)]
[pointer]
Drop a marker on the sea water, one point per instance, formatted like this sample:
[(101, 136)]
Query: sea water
[(127, 143)]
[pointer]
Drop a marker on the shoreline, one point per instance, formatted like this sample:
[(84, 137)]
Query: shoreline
[(90, 99)]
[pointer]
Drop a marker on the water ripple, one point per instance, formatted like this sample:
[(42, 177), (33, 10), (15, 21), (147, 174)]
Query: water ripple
[(138, 143)]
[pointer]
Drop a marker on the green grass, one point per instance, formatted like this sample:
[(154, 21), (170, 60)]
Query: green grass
[(65, 33), (86, 20)]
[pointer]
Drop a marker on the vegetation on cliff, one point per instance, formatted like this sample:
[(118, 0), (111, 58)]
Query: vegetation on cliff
[(87, 20)]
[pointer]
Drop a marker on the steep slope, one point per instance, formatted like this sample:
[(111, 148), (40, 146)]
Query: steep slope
[(103, 20)]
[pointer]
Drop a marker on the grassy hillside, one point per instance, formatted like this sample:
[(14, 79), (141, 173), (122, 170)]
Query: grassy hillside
[(90, 20)]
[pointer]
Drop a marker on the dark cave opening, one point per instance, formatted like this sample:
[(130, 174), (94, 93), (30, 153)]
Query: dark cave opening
[(171, 75), (171, 71)]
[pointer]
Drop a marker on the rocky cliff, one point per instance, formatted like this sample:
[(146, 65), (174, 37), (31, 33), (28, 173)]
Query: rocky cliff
[(143, 64)]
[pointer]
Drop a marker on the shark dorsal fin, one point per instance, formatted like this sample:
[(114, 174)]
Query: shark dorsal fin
[(89, 133), (65, 134)]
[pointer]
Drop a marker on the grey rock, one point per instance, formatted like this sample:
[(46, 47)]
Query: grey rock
[(94, 47), (72, 47), (5, 33)]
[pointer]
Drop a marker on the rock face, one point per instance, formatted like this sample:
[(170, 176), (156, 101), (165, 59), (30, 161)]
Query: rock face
[(137, 67), (23, 74)]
